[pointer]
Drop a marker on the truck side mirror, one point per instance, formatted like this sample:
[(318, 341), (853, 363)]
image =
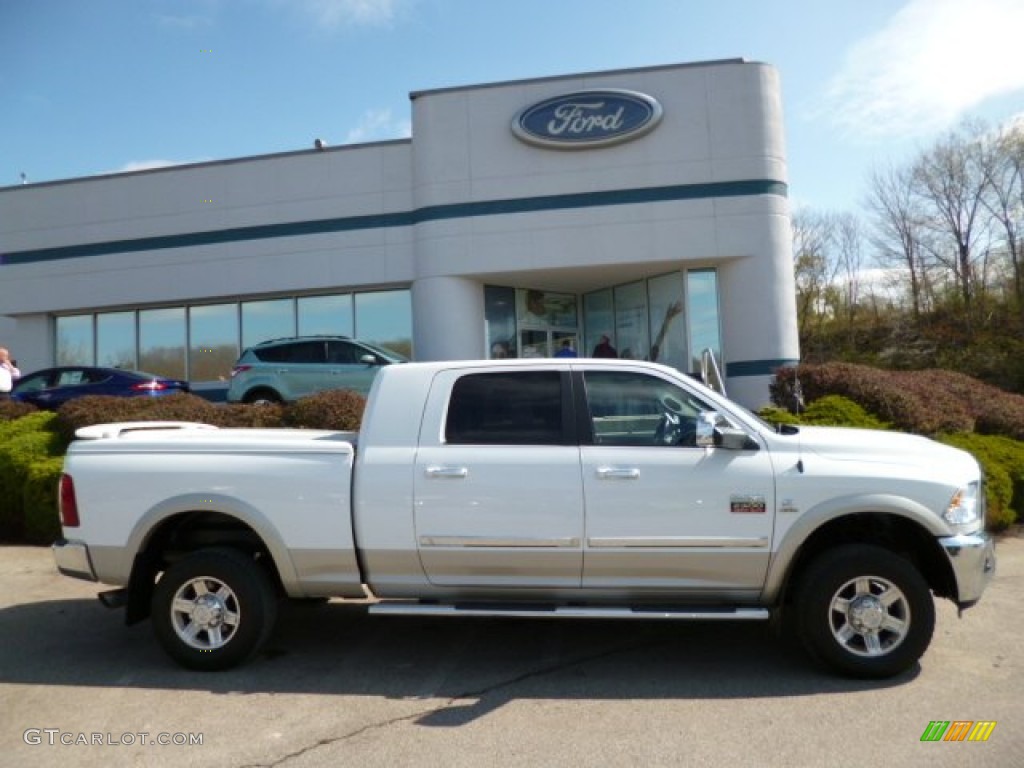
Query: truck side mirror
[(709, 435)]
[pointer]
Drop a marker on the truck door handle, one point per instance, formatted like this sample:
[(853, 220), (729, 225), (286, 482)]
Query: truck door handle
[(618, 473), (453, 472)]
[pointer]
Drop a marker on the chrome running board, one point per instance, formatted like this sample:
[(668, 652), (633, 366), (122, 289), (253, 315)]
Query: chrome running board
[(696, 613)]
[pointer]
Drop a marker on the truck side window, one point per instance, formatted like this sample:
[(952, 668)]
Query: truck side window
[(512, 408), (628, 408)]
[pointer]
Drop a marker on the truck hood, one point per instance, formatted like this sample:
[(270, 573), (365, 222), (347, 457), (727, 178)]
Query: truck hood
[(868, 445)]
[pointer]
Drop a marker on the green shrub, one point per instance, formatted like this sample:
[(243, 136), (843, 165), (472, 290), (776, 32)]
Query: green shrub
[(339, 409), (1002, 458), (22, 443), (41, 488), (835, 410), (775, 415)]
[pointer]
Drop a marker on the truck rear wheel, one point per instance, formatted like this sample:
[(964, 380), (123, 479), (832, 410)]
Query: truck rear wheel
[(864, 611), (213, 609)]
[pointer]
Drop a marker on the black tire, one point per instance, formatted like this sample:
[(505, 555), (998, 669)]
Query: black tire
[(213, 609), (864, 611)]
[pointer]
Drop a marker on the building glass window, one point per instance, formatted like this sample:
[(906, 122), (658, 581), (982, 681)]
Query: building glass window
[(631, 321), (325, 315), (75, 345), (668, 328), (545, 319), (162, 342), (213, 341), (266, 320), (500, 321), (384, 318), (599, 321), (703, 315), (115, 340)]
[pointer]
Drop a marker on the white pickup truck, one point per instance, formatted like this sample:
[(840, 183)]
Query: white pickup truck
[(531, 488)]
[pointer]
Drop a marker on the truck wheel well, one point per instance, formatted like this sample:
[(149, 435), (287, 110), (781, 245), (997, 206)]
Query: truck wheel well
[(181, 534), (900, 535)]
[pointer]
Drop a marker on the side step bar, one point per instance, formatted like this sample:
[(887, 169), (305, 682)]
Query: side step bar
[(698, 613)]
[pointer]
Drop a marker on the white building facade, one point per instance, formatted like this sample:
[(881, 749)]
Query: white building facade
[(642, 211)]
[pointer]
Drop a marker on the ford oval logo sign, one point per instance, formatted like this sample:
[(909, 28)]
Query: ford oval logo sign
[(587, 119)]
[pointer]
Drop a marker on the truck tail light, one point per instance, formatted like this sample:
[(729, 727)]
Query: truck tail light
[(68, 505)]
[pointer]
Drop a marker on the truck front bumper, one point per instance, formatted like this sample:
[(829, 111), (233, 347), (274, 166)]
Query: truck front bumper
[(973, 558), (72, 558)]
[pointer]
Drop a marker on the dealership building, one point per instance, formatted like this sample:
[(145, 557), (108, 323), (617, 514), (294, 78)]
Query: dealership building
[(648, 206)]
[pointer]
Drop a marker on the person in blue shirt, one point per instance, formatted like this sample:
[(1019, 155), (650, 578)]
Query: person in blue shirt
[(566, 350)]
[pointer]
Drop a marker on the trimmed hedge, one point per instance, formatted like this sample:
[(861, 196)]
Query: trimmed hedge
[(11, 410), (41, 524), (24, 443), (924, 402), (339, 409)]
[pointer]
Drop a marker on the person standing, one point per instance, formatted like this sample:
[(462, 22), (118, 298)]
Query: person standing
[(9, 373), (566, 349), (604, 348)]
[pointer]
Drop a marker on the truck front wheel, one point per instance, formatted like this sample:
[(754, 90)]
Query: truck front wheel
[(213, 609), (864, 611)]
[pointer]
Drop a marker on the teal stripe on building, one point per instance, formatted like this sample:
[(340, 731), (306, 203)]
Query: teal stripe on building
[(404, 219)]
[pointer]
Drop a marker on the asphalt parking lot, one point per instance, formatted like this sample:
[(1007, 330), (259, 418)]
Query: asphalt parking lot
[(338, 687)]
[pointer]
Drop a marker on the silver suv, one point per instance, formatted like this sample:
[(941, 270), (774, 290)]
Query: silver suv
[(283, 370)]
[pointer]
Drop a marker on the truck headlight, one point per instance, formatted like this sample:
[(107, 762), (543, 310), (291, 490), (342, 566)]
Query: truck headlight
[(964, 508)]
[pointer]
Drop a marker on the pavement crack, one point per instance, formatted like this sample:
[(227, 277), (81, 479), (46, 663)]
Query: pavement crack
[(450, 703)]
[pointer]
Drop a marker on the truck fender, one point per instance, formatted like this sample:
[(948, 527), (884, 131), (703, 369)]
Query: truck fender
[(786, 550), (225, 505)]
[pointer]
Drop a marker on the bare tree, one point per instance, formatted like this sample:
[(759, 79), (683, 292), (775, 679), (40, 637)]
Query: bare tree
[(848, 241), (1005, 201), (814, 270), (951, 180), (898, 229)]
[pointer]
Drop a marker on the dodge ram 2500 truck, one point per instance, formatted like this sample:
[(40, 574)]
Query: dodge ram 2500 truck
[(531, 488)]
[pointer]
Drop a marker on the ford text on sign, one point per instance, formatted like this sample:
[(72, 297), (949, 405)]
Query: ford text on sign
[(587, 119)]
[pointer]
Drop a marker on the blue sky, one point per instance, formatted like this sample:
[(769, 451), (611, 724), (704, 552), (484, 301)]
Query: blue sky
[(100, 86)]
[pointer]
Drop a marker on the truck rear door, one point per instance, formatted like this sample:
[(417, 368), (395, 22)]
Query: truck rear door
[(498, 495)]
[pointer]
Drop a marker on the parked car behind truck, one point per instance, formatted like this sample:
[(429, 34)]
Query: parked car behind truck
[(283, 370), (547, 488)]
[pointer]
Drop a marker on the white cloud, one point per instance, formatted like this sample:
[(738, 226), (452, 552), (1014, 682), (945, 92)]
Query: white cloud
[(934, 61), (377, 125), (336, 13)]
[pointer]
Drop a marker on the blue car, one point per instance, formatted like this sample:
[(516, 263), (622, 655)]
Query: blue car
[(50, 388)]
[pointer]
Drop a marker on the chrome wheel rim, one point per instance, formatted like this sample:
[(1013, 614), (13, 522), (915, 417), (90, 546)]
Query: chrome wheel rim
[(869, 616), (205, 613)]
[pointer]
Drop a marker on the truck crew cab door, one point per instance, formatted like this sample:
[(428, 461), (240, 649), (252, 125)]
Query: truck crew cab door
[(498, 496), (661, 512)]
